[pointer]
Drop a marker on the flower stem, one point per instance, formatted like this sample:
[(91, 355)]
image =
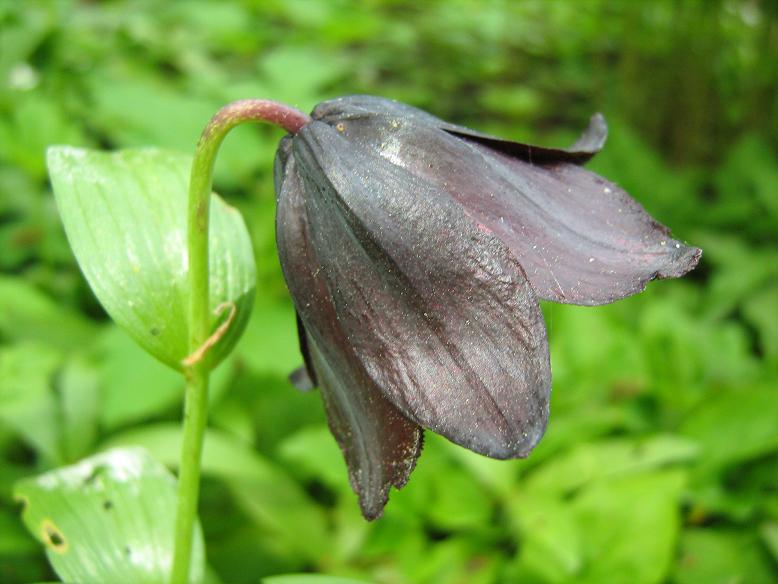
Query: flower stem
[(197, 371)]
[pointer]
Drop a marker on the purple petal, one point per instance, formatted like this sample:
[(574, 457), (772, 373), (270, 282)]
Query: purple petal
[(380, 445), (579, 238), (356, 107), (439, 312), (589, 144)]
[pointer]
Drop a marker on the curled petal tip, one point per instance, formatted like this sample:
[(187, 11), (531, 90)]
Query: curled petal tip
[(593, 138)]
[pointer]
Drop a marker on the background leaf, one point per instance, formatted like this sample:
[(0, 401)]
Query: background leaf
[(309, 579), (109, 518), (132, 386), (27, 403), (265, 492), (125, 216), (27, 314), (721, 557)]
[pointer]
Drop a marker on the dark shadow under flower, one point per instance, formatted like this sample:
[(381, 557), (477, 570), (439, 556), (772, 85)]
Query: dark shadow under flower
[(416, 251)]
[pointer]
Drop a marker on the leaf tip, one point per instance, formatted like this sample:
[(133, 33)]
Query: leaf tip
[(59, 154)]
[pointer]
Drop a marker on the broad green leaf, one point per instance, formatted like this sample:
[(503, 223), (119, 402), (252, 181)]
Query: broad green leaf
[(459, 502), (721, 556), (451, 560), (760, 312), (608, 459), (732, 426), (79, 395), (264, 491), (313, 453), (270, 345), (37, 121), (26, 313), (27, 403), (15, 539), (133, 386), (108, 518), (139, 111), (125, 218), (769, 533), (442, 493), (629, 526), (572, 427), (10, 474), (309, 579), (741, 270), (551, 539), (493, 474)]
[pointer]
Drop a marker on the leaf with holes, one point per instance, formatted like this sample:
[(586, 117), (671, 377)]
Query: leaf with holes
[(108, 518), (264, 491), (125, 215)]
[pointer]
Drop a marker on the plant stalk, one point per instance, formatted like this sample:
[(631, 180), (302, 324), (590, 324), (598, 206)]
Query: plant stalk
[(197, 372)]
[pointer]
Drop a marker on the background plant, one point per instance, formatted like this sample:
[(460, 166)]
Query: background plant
[(659, 463)]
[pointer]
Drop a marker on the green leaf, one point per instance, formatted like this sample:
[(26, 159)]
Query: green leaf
[(495, 475), (719, 556), (79, 395), (759, 309), (109, 518), (630, 527), (265, 492), (133, 385), (551, 539), (443, 494), (125, 218), (309, 579), (769, 533), (27, 314), (27, 402), (732, 426), (37, 121), (459, 502), (313, 452), (15, 539), (271, 345), (608, 459), (139, 110)]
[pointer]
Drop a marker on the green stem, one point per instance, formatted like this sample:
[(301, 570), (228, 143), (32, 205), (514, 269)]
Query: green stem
[(197, 372)]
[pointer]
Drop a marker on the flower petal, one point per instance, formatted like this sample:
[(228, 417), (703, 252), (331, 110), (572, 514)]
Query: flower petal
[(355, 107), (590, 143), (440, 313), (380, 445), (580, 239)]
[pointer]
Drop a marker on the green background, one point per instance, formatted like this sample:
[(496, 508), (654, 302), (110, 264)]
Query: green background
[(660, 463)]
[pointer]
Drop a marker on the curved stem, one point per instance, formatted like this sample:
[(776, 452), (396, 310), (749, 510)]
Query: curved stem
[(197, 371)]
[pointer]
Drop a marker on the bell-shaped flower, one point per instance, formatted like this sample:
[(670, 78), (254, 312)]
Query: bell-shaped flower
[(416, 252)]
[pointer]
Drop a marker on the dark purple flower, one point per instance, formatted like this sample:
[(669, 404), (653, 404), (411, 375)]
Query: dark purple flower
[(416, 251)]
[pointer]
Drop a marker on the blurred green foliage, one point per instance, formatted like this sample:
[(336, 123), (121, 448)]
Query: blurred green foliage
[(660, 463)]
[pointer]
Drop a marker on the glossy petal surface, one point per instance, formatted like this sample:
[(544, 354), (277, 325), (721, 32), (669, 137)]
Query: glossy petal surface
[(358, 107), (437, 310), (379, 443), (579, 238)]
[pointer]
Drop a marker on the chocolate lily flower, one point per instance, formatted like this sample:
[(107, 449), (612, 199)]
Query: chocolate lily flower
[(416, 252)]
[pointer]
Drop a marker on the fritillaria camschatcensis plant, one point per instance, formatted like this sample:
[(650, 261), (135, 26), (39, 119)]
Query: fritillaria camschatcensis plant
[(416, 253)]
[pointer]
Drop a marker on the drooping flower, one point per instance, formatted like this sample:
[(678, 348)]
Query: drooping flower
[(416, 252)]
